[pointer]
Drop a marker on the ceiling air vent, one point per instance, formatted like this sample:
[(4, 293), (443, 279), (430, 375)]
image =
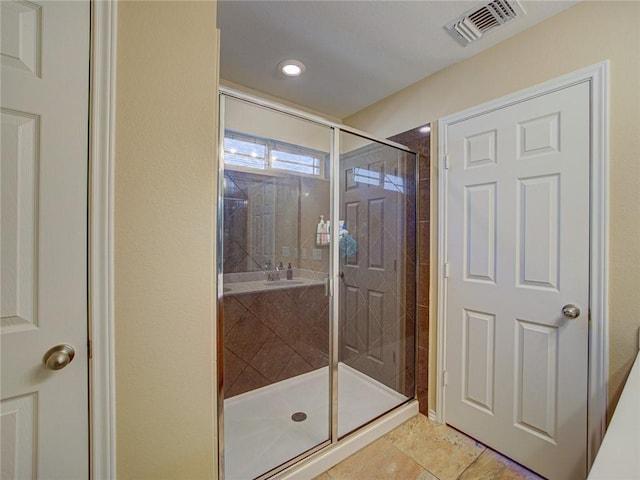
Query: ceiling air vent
[(472, 25)]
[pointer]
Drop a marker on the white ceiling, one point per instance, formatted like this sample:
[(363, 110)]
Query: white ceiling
[(355, 52)]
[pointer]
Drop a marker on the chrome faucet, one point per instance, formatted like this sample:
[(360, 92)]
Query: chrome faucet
[(273, 275)]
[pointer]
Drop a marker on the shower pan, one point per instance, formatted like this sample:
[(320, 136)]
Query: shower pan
[(316, 286)]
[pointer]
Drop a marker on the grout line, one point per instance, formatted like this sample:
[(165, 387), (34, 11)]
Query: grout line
[(474, 461)]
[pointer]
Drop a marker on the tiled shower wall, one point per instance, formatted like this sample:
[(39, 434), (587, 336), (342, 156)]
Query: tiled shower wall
[(273, 335), (420, 142)]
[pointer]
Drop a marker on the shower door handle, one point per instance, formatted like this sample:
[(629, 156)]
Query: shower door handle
[(327, 287)]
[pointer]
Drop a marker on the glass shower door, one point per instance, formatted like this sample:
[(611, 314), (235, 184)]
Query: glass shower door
[(377, 286), (275, 266)]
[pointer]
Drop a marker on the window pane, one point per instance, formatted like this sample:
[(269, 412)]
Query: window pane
[(244, 153), (295, 162)]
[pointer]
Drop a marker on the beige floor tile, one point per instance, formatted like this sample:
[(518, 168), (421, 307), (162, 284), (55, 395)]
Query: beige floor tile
[(324, 476), (493, 466), (379, 461), (441, 450)]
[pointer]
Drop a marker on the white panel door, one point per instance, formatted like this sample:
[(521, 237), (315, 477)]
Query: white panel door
[(517, 253), (43, 297)]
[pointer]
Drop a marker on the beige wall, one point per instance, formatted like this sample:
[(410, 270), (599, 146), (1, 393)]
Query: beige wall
[(164, 239), (278, 100), (581, 36), (262, 122)]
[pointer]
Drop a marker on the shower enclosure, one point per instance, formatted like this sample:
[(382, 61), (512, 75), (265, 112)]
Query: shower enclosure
[(316, 284)]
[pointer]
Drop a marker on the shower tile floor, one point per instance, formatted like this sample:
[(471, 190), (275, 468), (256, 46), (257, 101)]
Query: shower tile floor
[(260, 434)]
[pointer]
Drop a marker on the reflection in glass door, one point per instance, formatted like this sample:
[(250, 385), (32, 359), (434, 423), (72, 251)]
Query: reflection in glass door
[(377, 280)]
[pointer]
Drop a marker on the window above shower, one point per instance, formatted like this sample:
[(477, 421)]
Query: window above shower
[(242, 152)]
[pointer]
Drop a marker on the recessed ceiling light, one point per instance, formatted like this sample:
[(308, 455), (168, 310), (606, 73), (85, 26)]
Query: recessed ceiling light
[(291, 68), (425, 129)]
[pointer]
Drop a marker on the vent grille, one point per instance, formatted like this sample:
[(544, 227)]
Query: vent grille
[(472, 25)]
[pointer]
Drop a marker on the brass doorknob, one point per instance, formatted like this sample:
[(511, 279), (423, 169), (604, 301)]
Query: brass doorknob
[(59, 357), (570, 311)]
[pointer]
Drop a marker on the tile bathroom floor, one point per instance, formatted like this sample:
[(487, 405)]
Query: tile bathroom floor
[(420, 449)]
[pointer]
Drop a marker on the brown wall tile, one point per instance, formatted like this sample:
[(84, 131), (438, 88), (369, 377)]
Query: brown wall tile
[(421, 143), (273, 335)]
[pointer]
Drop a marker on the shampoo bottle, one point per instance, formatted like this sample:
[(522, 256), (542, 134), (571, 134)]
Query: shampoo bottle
[(321, 231)]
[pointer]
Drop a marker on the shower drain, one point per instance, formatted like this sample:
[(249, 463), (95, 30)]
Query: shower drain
[(299, 417)]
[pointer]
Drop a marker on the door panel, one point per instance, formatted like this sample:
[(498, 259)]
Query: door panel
[(479, 362), (480, 232), (537, 262), (536, 379), (45, 70), (518, 251)]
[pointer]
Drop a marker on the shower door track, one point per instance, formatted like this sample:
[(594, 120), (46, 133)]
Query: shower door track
[(280, 468), (410, 406)]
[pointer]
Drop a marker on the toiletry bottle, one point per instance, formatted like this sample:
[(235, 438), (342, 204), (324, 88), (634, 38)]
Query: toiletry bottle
[(289, 273), (321, 231)]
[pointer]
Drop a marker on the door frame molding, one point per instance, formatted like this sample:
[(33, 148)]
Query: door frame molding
[(598, 368), (102, 426)]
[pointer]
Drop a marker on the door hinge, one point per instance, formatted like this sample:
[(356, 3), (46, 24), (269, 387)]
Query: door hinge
[(446, 161), (445, 378), (446, 270), (89, 349)]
